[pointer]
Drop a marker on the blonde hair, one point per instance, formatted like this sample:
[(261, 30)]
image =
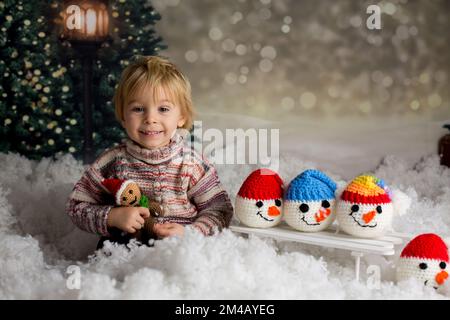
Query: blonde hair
[(155, 72)]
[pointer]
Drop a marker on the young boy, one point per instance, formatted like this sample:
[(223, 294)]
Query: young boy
[(154, 105)]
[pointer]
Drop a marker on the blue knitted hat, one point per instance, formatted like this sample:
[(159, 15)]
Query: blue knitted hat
[(311, 185)]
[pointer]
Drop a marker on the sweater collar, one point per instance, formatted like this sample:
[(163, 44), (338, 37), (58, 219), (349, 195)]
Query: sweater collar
[(160, 155)]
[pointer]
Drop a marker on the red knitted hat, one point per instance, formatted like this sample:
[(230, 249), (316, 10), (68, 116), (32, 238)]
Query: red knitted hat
[(262, 184), (426, 246), (116, 187)]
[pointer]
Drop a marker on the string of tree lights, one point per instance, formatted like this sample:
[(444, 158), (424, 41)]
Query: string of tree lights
[(41, 86)]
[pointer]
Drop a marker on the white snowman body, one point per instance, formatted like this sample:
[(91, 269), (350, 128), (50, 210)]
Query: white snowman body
[(309, 201), (364, 220), (258, 213), (426, 259), (429, 271), (309, 216), (259, 200)]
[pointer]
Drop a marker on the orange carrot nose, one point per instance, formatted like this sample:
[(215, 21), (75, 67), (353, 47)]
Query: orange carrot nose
[(441, 277), (367, 217), (322, 214), (273, 211)]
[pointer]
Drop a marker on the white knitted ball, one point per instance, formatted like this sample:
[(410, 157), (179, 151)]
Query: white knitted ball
[(311, 216), (309, 201), (258, 213), (364, 220), (427, 271), (425, 258)]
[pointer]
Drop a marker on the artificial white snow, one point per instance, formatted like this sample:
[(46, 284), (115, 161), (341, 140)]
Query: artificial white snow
[(40, 244)]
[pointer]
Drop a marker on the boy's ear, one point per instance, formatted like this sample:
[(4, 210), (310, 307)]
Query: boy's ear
[(181, 122)]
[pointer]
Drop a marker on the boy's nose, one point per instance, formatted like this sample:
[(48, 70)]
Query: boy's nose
[(150, 117)]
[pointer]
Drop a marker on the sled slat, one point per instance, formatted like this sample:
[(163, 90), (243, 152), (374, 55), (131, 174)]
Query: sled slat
[(328, 238)]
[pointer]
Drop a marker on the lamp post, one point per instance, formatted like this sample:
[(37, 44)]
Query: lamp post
[(86, 28)]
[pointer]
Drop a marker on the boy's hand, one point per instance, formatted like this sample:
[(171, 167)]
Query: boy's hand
[(128, 219), (163, 230)]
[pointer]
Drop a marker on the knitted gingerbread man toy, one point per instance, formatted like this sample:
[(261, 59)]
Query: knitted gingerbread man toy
[(128, 193)]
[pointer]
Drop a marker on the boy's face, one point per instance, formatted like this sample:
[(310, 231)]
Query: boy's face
[(151, 120)]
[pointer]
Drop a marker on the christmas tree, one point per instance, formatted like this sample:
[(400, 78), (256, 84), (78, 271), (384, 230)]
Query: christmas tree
[(36, 107), (42, 79)]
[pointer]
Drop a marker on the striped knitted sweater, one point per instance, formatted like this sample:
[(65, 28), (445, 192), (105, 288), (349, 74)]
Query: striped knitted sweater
[(183, 182)]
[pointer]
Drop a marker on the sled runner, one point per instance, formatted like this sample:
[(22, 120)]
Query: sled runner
[(388, 246)]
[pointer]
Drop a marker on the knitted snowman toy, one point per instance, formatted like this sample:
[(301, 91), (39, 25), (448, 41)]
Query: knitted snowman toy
[(309, 202), (127, 193), (365, 208), (259, 200), (425, 258)]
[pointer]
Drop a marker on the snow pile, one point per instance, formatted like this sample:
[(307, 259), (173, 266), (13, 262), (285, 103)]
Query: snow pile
[(428, 186), (39, 243)]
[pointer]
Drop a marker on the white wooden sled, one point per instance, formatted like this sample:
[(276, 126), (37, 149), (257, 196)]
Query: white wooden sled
[(389, 245)]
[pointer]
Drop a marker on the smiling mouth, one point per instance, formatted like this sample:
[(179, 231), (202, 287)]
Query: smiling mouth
[(259, 214), (150, 132), (361, 225), (310, 224), (425, 283), (134, 201)]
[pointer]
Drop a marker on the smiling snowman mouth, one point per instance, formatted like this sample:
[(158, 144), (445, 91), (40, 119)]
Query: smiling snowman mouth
[(259, 214), (310, 224), (150, 132), (362, 225), (426, 282)]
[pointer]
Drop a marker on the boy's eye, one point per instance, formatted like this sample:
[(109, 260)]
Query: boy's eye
[(137, 109), (163, 109)]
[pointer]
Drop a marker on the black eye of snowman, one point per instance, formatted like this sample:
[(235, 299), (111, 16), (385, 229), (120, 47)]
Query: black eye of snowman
[(304, 207), (423, 266), (443, 265), (259, 204), (325, 204), (278, 203), (355, 208), (379, 209), (130, 191)]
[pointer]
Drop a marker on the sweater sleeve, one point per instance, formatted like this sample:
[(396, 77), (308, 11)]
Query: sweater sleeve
[(212, 201), (87, 205)]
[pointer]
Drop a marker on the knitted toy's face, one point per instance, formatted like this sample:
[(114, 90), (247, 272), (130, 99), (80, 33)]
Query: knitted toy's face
[(309, 216), (364, 220), (258, 213), (130, 196), (431, 272)]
